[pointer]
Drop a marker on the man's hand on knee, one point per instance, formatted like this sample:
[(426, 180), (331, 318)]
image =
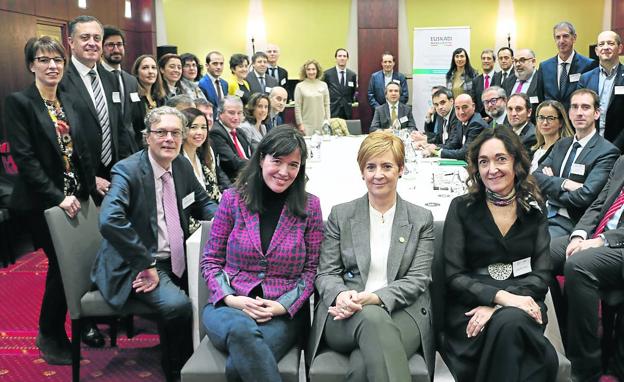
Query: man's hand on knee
[(146, 281)]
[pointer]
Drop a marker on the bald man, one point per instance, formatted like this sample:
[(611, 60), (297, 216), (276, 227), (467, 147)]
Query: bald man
[(608, 81), (273, 70), (278, 98), (467, 127)]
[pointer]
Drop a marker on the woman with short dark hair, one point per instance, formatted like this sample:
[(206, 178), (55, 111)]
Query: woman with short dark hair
[(54, 170), (191, 74), (238, 85), (497, 271), (261, 259)]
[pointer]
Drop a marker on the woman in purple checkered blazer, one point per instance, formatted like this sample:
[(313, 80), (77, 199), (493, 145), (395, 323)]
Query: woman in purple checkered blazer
[(261, 259)]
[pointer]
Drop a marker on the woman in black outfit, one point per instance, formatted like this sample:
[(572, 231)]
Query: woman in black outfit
[(497, 270), (54, 170)]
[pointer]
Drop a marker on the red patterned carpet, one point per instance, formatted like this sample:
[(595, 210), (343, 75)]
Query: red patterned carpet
[(21, 290)]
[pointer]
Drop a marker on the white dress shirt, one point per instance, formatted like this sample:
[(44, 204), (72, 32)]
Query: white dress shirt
[(380, 234)]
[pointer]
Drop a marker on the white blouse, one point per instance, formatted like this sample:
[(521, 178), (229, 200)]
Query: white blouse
[(380, 234)]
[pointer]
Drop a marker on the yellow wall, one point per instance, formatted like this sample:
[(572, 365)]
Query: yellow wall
[(315, 28), (534, 22), (302, 29)]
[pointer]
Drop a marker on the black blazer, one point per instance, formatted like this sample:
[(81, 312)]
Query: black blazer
[(128, 222), (615, 111), (340, 96), (527, 136), (498, 77), (121, 140), (132, 120), (598, 209), (34, 146), (461, 136), (225, 151), (254, 84), (534, 92), (382, 120), (436, 137), (598, 157)]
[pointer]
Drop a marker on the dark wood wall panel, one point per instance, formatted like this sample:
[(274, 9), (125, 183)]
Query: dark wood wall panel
[(381, 14), (105, 11), (378, 22), (617, 15), (54, 9), (143, 15), (20, 6)]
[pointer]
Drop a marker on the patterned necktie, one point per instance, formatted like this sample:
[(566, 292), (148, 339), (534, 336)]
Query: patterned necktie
[(174, 228), (615, 207), (568, 165), (393, 116), (487, 81), (563, 78), (102, 112), (239, 151)]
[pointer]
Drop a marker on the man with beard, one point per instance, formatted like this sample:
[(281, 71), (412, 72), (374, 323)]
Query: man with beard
[(526, 79), (494, 99), (113, 53)]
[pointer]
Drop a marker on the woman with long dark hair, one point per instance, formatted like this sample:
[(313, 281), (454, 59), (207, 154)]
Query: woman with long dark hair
[(460, 75)]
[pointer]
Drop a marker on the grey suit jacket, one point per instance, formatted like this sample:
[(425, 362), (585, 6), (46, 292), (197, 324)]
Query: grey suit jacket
[(345, 261), (597, 159), (128, 222), (254, 84), (382, 120)]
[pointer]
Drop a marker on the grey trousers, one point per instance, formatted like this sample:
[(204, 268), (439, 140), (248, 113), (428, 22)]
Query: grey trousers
[(380, 343)]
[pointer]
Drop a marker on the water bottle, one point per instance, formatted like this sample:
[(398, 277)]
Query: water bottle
[(315, 147), (326, 128)]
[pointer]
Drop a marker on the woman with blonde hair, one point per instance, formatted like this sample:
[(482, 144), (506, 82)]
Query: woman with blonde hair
[(311, 99), (552, 124)]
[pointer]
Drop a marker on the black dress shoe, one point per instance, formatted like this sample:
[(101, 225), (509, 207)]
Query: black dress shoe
[(52, 352), (92, 337)]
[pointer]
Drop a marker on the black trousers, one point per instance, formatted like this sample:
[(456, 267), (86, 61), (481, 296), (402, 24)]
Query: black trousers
[(587, 273), (53, 306)]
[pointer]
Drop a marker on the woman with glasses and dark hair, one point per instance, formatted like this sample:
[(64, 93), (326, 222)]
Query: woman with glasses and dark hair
[(54, 170), (460, 75), (497, 271), (238, 85), (552, 124), (191, 74), (256, 113), (261, 258)]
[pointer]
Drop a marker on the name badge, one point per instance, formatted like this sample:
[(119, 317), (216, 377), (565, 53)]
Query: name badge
[(577, 169), (188, 200), (618, 89), (403, 119), (350, 84), (575, 77), (521, 267), (397, 82), (116, 97), (239, 93), (267, 89), (134, 97), (283, 81), (534, 99)]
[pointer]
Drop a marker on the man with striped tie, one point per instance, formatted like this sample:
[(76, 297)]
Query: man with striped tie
[(95, 92), (592, 259)]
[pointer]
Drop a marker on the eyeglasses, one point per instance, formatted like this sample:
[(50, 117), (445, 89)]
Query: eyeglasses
[(113, 45), (46, 60), (160, 133), (523, 60), (549, 118), (491, 101)]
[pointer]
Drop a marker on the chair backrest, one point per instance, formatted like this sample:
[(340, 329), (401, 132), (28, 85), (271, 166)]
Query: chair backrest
[(202, 288), (354, 126), (438, 282), (76, 242)]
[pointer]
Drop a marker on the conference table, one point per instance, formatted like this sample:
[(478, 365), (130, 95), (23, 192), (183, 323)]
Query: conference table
[(335, 177)]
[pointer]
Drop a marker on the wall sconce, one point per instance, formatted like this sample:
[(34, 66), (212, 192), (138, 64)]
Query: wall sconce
[(82, 4), (128, 10)]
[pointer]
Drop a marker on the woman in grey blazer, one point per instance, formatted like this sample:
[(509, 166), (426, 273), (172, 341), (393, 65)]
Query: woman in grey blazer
[(374, 273)]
